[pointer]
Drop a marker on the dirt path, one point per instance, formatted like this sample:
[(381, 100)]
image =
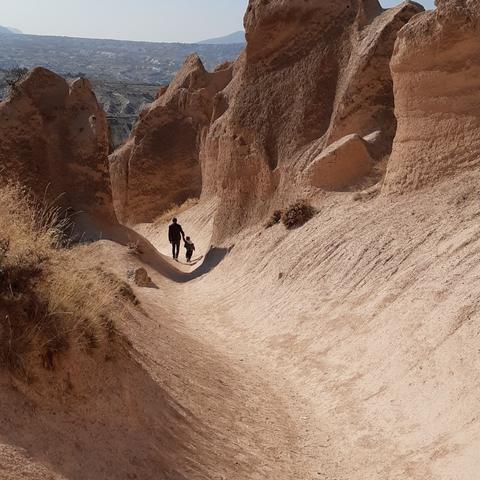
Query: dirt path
[(362, 343), (249, 427), (356, 361), (272, 422)]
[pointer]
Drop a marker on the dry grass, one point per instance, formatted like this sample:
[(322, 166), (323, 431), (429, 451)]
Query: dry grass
[(49, 304), (134, 248), (298, 214), (176, 210)]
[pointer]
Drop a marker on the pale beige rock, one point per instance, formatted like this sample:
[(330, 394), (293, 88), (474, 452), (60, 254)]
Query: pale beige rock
[(312, 73), (341, 165), (158, 167), (347, 349), (437, 83), (54, 139), (141, 278)]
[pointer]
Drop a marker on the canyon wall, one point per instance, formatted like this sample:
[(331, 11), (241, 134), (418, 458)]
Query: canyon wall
[(55, 140), (436, 71), (312, 74), (158, 166)]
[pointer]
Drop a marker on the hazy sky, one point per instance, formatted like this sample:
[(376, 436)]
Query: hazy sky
[(150, 20)]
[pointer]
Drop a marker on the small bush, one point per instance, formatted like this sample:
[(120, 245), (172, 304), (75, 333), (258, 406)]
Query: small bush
[(298, 214), (274, 219), (51, 303), (14, 76)]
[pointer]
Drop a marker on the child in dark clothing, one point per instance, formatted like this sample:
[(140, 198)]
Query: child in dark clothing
[(190, 247)]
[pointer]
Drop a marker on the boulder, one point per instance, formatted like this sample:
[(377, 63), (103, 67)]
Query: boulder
[(342, 165), (141, 278)]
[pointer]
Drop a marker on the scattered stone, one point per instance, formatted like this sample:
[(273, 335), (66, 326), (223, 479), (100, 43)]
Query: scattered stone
[(140, 277)]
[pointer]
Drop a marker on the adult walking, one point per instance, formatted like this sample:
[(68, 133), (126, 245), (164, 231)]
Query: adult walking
[(175, 236)]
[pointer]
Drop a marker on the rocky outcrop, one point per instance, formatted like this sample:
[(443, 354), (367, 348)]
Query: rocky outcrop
[(55, 140), (159, 165), (312, 73), (436, 74), (140, 277), (341, 165)]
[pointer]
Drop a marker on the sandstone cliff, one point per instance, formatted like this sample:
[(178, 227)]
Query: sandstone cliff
[(312, 74), (436, 72), (55, 140), (159, 166)]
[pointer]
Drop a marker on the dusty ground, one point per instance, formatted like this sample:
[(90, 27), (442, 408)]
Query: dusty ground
[(345, 350)]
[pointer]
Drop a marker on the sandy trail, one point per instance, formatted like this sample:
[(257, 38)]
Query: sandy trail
[(369, 346), (202, 311), (337, 351)]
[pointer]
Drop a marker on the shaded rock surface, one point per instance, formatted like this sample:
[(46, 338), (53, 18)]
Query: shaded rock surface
[(159, 166)]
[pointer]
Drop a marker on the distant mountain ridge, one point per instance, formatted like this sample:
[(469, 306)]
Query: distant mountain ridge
[(233, 38), (9, 30), (109, 60)]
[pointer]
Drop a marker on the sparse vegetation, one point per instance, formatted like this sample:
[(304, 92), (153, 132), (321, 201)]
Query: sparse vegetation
[(298, 214), (50, 304), (123, 290), (134, 248), (274, 219), (13, 76)]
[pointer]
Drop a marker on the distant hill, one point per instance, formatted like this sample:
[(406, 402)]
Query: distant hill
[(125, 75), (8, 30), (233, 38), (109, 60), (15, 30)]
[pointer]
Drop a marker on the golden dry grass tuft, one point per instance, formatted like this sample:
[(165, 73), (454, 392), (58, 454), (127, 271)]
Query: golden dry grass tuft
[(298, 214), (51, 304)]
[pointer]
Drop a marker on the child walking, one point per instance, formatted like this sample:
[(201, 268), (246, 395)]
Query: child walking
[(190, 247)]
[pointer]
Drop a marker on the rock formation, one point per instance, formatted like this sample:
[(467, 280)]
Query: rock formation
[(158, 167), (141, 278), (436, 73), (312, 73), (55, 140), (341, 164)]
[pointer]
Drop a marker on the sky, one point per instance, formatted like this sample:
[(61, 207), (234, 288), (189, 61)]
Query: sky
[(147, 20)]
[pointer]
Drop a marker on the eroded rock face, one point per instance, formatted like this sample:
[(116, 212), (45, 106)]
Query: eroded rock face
[(159, 165), (436, 72), (341, 165), (312, 73), (54, 139)]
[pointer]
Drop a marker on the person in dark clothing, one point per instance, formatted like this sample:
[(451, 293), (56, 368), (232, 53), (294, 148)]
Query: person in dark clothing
[(175, 235), (190, 248)]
